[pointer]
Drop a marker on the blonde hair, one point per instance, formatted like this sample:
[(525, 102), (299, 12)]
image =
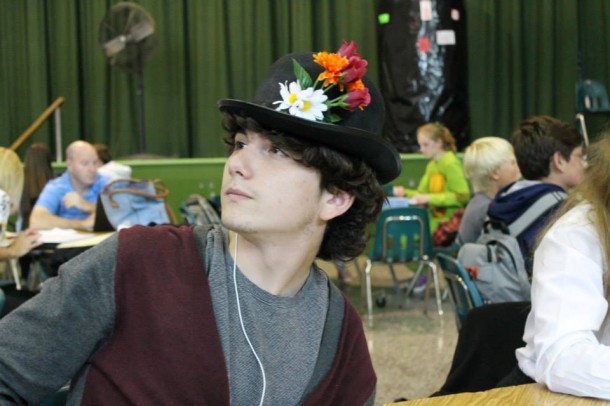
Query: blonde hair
[(437, 131), (594, 189), (11, 176), (484, 156)]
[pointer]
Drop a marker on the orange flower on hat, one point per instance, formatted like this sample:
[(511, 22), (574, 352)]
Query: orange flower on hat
[(334, 65)]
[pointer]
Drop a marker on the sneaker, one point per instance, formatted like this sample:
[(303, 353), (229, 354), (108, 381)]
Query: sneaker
[(420, 284)]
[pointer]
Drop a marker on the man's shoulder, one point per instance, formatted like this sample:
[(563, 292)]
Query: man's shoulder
[(54, 189), (61, 181), (100, 181), (526, 191), (168, 234)]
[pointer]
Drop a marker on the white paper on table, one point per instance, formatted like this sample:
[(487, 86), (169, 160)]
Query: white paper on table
[(60, 235)]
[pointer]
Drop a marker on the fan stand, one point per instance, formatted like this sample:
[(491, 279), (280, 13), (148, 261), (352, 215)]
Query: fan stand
[(140, 97)]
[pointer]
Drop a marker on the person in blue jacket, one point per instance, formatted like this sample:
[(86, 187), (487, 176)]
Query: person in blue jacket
[(551, 159)]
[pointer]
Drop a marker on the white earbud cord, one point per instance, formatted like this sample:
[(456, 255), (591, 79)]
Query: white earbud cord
[(241, 321)]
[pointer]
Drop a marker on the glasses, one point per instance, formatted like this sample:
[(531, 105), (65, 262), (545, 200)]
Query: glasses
[(581, 156)]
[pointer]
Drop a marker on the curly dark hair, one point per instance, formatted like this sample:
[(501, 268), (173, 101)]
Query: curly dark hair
[(345, 236), (537, 139)]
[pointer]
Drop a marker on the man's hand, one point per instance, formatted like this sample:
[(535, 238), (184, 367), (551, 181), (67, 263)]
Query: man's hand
[(88, 222), (398, 191), (421, 200), (73, 199)]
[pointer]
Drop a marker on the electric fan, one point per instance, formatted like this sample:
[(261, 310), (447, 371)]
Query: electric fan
[(128, 38)]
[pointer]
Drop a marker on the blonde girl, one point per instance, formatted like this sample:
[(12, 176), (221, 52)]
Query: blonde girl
[(443, 188), (11, 186)]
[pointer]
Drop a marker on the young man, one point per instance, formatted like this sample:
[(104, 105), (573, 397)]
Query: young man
[(69, 201), (489, 165), (241, 315), (550, 156)]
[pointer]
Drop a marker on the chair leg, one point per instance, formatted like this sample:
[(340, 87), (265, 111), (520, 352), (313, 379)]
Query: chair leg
[(369, 291), (15, 270), (396, 282), (437, 288), (418, 272)]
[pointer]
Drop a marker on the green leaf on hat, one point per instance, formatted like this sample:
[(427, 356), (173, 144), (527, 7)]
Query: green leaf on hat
[(302, 75), (332, 117)]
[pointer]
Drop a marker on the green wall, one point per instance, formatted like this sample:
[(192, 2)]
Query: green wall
[(204, 175)]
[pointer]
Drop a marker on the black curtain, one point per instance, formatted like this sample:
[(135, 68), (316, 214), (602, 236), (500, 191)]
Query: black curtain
[(422, 56)]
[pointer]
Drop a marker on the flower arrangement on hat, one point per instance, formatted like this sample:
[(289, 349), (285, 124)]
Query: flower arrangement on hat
[(343, 70)]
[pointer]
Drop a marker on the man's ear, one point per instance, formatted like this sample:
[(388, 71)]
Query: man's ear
[(494, 174), (335, 204), (558, 162)]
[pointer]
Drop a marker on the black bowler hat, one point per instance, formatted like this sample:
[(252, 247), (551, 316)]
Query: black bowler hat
[(356, 133)]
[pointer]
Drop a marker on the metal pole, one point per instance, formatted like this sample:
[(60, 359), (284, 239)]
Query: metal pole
[(140, 97), (58, 146)]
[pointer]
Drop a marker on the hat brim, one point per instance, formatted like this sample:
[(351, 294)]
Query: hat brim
[(376, 151)]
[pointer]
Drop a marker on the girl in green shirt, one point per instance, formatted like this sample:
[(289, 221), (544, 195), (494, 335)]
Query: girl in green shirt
[(443, 188)]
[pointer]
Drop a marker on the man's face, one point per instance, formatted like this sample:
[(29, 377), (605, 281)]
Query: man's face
[(265, 191), (508, 172), (82, 166), (574, 170)]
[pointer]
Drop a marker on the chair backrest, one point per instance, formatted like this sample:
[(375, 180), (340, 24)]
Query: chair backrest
[(402, 234), (591, 96), (464, 292)]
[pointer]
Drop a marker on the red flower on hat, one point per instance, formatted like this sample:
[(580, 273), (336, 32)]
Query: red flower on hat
[(356, 67), (358, 99)]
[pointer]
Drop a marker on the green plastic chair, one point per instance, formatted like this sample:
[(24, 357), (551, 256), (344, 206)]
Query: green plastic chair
[(463, 291), (402, 235), (591, 97)]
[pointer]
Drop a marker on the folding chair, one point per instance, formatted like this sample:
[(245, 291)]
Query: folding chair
[(402, 235), (464, 293)]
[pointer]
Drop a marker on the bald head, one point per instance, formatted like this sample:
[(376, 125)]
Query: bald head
[(78, 148), (82, 164)]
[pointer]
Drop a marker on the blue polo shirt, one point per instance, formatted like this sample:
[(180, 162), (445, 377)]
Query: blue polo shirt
[(54, 191)]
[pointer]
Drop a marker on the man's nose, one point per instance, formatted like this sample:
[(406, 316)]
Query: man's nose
[(241, 162)]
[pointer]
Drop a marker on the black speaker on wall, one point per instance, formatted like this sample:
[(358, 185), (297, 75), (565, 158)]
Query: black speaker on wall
[(422, 55)]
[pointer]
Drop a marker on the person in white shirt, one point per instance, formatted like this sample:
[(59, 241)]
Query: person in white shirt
[(108, 167), (567, 333)]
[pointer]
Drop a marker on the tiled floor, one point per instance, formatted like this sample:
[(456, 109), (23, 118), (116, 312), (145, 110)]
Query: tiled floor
[(411, 351)]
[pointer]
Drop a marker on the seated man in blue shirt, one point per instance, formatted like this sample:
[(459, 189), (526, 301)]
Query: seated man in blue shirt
[(69, 201)]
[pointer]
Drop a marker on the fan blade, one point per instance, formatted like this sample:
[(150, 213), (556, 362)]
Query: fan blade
[(140, 31), (114, 46)]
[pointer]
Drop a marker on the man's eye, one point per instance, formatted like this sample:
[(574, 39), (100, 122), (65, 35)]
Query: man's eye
[(239, 145), (278, 151)]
